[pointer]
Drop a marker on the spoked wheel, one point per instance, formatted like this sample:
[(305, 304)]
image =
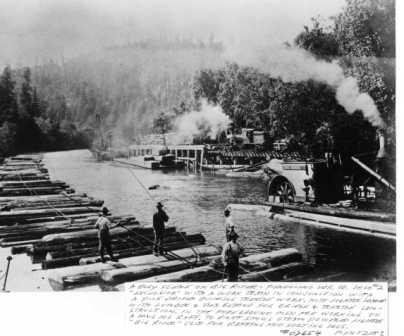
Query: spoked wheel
[(284, 192)]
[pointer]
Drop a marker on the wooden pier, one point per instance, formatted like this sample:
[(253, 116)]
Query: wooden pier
[(54, 226), (375, 224)]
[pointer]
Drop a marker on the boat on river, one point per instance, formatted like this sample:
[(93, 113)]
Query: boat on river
[(225, 167), (166, 161), (370, 223)]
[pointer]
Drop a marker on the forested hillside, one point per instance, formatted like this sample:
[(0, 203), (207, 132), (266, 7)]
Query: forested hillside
[(125, 87), (26, 121)]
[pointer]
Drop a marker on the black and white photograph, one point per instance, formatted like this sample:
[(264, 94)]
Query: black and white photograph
[(196, 141)]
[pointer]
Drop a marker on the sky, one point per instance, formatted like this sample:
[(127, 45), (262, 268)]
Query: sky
[(33, 31)]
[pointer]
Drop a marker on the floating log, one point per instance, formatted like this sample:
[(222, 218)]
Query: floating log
[(26, 157), (39, 233), (29, 221), (20, 249), (34, 198), (16, 234), (23, 177), (337, 212), (140, 272), (85, 223), (21, 164), (33, 184), (73, 276), (48, 205), (10, 217), (50, 223), (23, 160), (134, 273), (75, 260), (126, 244), (215, 271), (92, 234), (39, 223), (17, 169), (19, 243), (35, 191)]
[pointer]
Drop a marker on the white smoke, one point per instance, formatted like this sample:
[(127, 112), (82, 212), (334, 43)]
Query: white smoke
[(209, 122), (293, 64), (349, 96)]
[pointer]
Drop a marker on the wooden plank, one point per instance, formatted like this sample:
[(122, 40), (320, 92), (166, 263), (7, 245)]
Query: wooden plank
[(366, 227), (337, 212)]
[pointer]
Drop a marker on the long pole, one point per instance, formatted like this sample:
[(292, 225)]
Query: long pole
[(373, 173), (8, 267)]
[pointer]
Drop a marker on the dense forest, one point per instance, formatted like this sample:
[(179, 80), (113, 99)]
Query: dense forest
[(307, 113), (27, 122), (119, 91), (124, 91)]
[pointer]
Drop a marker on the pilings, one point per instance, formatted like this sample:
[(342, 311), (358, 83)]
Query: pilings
[(191, 155)]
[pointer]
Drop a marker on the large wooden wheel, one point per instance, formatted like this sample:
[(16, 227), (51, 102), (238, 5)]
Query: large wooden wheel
[(283, 192)]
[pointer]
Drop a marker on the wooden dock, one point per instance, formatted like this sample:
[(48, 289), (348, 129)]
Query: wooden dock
[(375, 224), (54, 226)]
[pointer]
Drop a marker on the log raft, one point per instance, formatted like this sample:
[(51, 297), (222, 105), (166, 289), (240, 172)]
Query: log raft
[(54, 226)]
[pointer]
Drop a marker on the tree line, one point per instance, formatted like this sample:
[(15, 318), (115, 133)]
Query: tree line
[(26, 122), (306, 113)]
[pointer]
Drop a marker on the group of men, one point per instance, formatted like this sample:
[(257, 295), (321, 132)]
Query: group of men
[(230, 253), (103, 225)]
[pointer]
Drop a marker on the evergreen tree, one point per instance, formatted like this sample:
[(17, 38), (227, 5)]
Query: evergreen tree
[(8, 100), (26, 95)]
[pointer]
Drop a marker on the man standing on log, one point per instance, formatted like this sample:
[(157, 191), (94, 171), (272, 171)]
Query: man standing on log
[(103, 224), (228, 223), (159, 218), (231, 255)]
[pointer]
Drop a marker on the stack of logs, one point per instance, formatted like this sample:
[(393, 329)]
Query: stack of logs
[(46, 220), (55, 226)]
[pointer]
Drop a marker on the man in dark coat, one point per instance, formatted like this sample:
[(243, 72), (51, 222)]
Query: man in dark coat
[(159, 218), (231, 255)]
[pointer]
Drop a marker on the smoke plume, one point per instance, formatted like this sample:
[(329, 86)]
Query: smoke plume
[(209, 122), (293, 64)]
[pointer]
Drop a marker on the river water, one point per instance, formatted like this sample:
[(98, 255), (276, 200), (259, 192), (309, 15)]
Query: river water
[(195, 204)]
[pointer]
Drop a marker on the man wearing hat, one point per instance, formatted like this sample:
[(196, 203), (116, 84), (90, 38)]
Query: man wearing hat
[(228, 223), (103, 224), (231, 255), (159, 218)]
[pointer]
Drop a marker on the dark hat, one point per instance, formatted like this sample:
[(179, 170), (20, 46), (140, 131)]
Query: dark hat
[(105, 211), (159, 205), (233, 235)]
